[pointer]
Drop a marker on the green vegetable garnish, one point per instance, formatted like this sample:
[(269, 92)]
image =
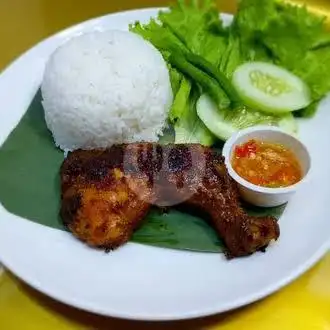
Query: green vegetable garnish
[(289, 36), (270, 88), (215, 73), (224, 123), (208, 84), (183, 116), (203, 57), (190, 38), (197, 25)]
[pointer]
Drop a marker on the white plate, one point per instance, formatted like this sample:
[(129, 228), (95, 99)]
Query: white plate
[(141, 282)]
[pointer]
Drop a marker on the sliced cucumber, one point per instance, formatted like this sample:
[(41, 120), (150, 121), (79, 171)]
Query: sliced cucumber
[(200, 134), (224, 123), (270, 88), (213, 118)]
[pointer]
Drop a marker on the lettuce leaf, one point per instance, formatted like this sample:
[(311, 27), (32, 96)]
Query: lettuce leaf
[(289, 36), (188, 28), (253, 17), (223, 123), (199, 28), (162, 38), (263, 30), (291, 32), (313, 68), (187, 125), (175, 77), (284, 31)]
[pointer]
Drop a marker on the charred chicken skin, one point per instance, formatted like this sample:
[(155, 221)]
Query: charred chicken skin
[(107, 193)]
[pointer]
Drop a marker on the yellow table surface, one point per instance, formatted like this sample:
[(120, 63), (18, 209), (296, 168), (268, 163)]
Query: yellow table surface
[(305, 304)]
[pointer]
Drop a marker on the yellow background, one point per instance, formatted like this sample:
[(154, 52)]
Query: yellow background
[(305, 304)]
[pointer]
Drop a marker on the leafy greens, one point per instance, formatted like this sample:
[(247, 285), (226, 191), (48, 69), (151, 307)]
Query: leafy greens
[(289, 36), (202, 54)]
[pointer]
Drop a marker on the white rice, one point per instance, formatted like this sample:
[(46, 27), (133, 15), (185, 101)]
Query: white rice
[(103, 88)]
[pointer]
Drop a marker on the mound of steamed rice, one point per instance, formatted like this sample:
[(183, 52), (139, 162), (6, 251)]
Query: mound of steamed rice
[(103, 88)]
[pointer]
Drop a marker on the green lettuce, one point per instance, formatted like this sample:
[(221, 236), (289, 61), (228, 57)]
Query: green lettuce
[(183, 115), (160, 36), (289, 36), (189, 29), (199, 28), (202, 55)]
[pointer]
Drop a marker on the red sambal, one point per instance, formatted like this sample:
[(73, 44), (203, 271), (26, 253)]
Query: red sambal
[(266, 164)]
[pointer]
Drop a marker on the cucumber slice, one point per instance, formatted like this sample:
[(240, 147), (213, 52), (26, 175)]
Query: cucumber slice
[(270, 88), (224, 123)]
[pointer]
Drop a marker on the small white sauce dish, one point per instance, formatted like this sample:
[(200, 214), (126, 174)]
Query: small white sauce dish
[(264, 196)]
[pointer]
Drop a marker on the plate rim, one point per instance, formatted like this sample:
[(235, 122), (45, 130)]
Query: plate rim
[(239, 303)]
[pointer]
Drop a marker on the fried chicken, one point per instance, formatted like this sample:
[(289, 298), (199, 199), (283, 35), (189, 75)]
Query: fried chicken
[(107, 193)]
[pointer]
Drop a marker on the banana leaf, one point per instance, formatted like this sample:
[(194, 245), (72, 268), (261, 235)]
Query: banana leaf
[(30, 188)]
